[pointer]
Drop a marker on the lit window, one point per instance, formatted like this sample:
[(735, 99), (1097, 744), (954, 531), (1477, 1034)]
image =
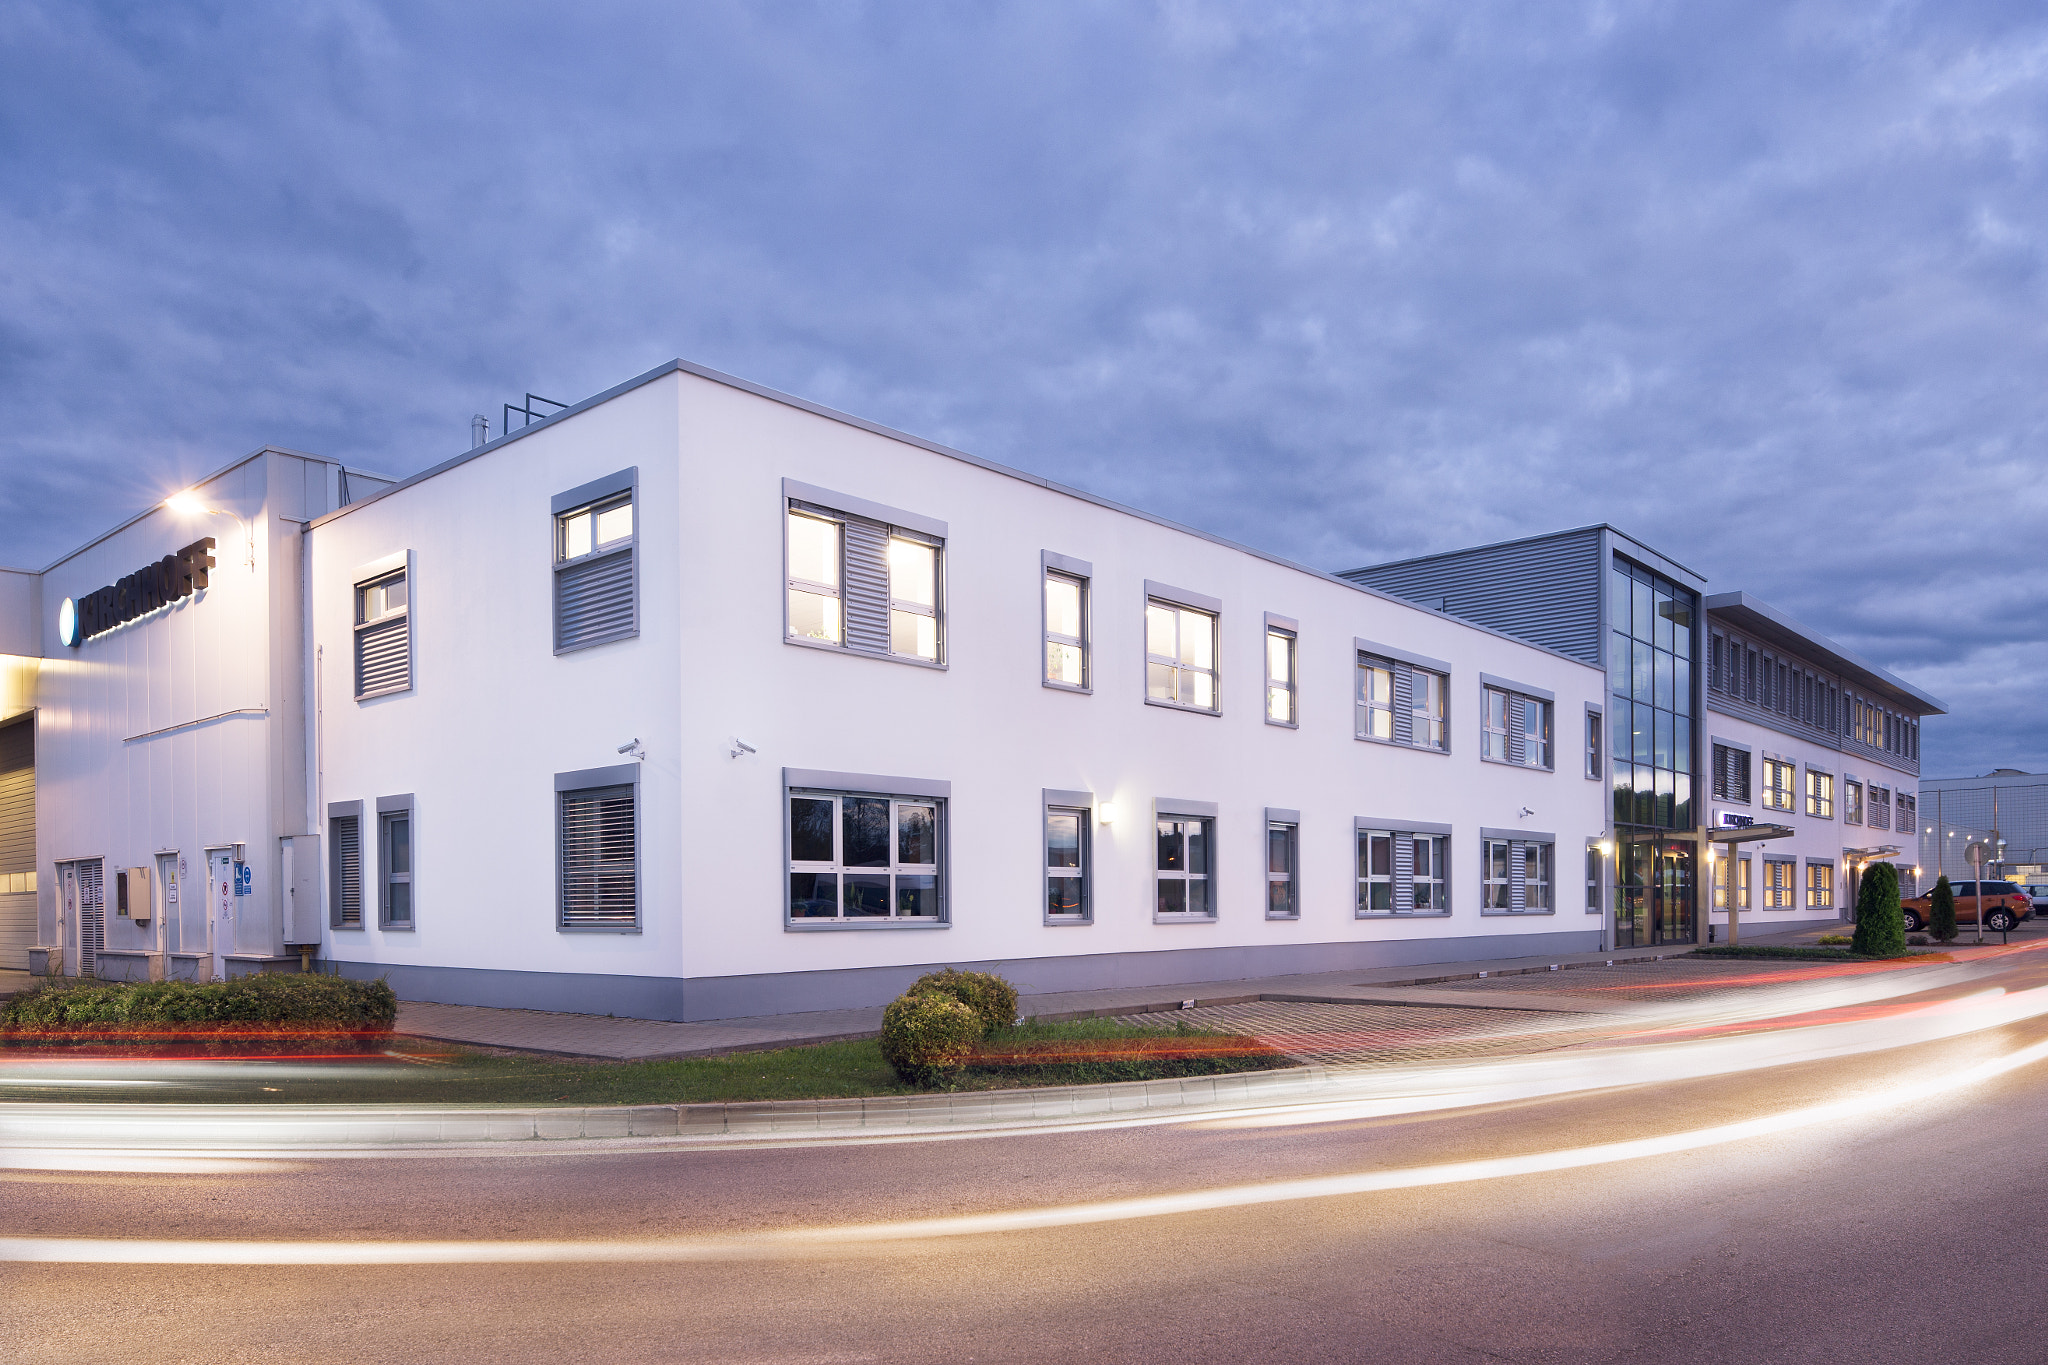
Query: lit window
[(1820, 795), (1495, 726), (1430, 728), (1180, 656), (913, 599), (1375, 700), (814, 578), (1780, 879), (1279, 675), (1066, 645), (595, 597), (1778, 785), (1820, 886), (1515, 728)]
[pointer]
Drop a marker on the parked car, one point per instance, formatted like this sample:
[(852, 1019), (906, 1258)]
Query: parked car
[(2005, 905), (2038, 894)]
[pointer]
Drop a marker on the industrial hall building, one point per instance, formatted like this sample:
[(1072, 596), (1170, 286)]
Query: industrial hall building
[(695, 700)]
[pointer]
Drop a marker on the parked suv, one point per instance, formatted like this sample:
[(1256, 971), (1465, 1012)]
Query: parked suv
[(2005, 905)]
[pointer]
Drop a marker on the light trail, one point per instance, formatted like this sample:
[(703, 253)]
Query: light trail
[(803, 1242)]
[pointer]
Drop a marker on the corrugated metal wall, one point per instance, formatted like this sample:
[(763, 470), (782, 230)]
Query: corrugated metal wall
[(1546, 591), (17, 843)]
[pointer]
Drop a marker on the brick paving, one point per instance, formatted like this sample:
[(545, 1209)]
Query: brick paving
[(1389, 1035), (1681, 979)]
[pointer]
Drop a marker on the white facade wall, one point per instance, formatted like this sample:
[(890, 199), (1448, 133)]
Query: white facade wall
[(494, 714)]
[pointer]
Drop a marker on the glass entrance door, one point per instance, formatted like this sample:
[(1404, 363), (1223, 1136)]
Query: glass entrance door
[(1653, 892)]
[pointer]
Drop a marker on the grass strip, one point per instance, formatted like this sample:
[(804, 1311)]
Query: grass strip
[(418, 1072)]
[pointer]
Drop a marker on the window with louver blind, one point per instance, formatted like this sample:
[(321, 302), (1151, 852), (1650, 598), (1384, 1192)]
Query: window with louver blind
[(600, 864), (383, 661), (597, 597), (862, 577), (1400, 700), (345, 865)]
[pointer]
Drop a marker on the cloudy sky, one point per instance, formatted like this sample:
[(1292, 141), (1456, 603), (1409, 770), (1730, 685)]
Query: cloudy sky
[(1760, 283)]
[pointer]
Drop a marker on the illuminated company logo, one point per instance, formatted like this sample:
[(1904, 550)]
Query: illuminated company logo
[(149, 587)]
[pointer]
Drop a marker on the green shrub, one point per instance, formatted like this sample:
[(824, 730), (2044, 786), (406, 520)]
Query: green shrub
[(1880, 924), (992, 999), (927, 1035), (1941, 911), (1833, 940), (323, 1002)]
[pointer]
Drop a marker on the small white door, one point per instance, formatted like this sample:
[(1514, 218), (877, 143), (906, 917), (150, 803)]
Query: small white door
[(83, 909), (220, 905), (167, 902)]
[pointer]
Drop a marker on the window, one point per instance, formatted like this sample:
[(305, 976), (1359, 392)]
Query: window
[(1738, 866), (1820, 886), (1283, 853), (1180, 656), (596, 598), (1536, 860), (1878, 810), (1852, 801), (1279, 675), (1909, 814), (1780, 876), (1778, 785), (862, 577), (1375, 700), (1820, 794), (857, 857), (1594, 727), (1183, 868), (1649, 657), (913, 598), (814, 578), (345, 865), (1515, 727), (1595, 879), (1731, 773), (598, 850), (1066, 640), (394, 863), (1427, 880), (1066, 863), (1496, 876), (1400, 702), (383, 636), (1375, 871)]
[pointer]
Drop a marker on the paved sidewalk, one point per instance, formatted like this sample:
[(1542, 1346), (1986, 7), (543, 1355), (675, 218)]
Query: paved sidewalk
[(583, 1035)]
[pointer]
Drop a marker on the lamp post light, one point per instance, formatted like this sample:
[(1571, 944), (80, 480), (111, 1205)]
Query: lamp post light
[(190, 504)]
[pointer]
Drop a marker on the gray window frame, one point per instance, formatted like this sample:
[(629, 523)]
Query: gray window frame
[(1290, 629), (819, 781), (1723, 791), (344, 810), (1169, 808), (1516, 700), (1079, 803), (1519, 842), (592, 780), (1794, 886), (1365, 826), (826, 504), (372, 574), (387, 808), (589, 496), (1181, 599), (1852, 800), (1834, 885), (1083, 573), (1807, 798), (1596, 878), (1763, 785), (1368, 653), (1289, 820), (1596, 743)]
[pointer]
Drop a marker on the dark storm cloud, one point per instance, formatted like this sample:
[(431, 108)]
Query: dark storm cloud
[(1761, 284)]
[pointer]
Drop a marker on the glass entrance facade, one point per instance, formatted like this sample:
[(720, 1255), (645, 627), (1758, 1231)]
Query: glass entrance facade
[(1651, 647)]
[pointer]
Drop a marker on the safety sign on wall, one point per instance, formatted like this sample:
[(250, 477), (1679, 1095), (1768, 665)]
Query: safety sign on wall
[(241, 879)]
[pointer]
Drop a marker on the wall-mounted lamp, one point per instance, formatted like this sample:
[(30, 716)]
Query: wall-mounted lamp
[(190, 504), (1106, 813)]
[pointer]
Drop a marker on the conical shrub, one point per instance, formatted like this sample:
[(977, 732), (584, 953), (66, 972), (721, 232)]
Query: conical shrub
[(1880, 924), (1941, 911)]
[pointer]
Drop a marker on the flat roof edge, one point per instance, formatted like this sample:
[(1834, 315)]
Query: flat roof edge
[(1608, 527), (1743, 602)]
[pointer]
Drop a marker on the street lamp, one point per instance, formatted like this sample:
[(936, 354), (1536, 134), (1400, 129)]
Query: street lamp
[(190, 504)]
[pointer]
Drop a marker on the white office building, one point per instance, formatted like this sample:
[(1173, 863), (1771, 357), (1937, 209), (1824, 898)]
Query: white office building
[(696, 701)]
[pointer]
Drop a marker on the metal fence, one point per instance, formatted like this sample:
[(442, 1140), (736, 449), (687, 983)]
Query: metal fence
[(1951, 820)]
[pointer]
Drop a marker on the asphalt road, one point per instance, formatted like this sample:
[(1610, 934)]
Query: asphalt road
[(1909, 1233)]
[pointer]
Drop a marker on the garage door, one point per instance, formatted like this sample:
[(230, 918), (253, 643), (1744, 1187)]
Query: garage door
[(17, 843)]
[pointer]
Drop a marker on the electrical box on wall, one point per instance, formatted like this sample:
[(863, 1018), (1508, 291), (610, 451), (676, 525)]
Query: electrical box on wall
[(131, 894)]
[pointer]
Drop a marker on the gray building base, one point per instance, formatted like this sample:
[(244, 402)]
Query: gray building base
[(693, 999)]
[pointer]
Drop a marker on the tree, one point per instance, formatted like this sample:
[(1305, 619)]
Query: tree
[(1880, 924), (1941, 911)]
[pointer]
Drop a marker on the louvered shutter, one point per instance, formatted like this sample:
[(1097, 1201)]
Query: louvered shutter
[(345, 837), (599, 862), (384, 656), (1404, 871), (1404, 703), (595, 601), (866, 590), (1518, 885), (1517, 721)]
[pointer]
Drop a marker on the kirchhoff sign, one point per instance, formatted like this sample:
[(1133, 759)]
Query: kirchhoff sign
[(137, 594)]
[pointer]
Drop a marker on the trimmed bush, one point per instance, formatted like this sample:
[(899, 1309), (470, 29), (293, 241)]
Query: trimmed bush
[(992, 999), (927, 1036), (1941, 911), (1880, 924), (247, 1004)]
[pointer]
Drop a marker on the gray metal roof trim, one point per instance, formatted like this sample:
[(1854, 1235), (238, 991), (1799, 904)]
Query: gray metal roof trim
[(229, 467), (1748, 610), (1531, 540), (830, 414), (1659, 561)]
